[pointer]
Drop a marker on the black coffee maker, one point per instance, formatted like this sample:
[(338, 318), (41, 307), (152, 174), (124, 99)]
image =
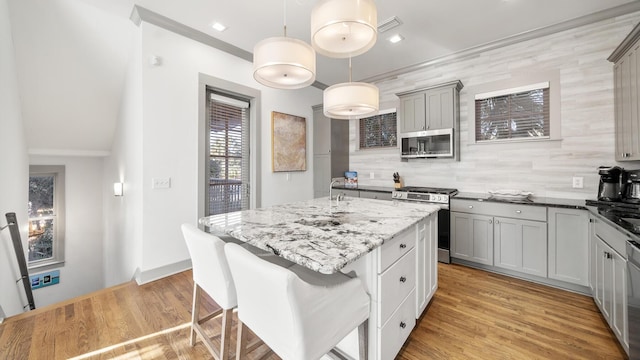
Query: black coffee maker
[(610, 188)]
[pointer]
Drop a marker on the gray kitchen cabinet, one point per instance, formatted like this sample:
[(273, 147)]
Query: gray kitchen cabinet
[(375, 195), (432, 108), (472, 237), (426, 262), (569, 245), (626, 72), (347, 193), (610, 279), (520, 245), (593, 258), (330, 150)]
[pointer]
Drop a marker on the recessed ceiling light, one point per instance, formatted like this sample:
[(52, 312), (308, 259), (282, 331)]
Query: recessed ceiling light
[(396, 38), (219, 27)]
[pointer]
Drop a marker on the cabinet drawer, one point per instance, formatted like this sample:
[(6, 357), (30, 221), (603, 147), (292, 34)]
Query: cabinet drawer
[(396, 331), (395, 284), (515, 211), (611, 236), (393, 249), (375, 195)]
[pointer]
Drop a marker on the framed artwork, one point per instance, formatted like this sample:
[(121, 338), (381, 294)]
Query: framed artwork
[(288, 142)]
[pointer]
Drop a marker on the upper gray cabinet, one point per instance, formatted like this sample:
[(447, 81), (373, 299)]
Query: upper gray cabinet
[(432, 108), (626, 72)]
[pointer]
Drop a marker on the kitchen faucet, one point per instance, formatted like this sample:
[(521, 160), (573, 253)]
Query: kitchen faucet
[(340, 196)]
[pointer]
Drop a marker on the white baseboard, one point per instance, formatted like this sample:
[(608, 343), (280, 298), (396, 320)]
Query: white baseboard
[(147, 276)]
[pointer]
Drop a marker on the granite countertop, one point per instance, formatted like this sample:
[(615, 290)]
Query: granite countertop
[(382, 189), (533, 200), (613, 214), (321, 235)]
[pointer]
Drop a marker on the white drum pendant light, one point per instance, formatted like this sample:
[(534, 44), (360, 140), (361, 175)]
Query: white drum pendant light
[(284, 63), (344, 28), (350, 100)]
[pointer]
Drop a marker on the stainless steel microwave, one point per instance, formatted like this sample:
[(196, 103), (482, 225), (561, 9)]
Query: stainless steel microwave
[(428, 144)]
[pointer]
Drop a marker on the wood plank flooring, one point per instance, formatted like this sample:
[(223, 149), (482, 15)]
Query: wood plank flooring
[(474, 315)]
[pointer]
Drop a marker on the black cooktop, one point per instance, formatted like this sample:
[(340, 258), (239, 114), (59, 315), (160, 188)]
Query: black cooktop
[(428, 190)]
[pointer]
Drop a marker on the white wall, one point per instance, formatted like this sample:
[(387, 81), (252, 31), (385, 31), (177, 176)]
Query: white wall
[(82, 271), (14, 168), (578, 58), (123, 215), (169, 146)]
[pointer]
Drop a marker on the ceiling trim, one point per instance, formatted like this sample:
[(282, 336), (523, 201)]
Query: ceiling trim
[(140, 14), (524, 36), (68, 152)]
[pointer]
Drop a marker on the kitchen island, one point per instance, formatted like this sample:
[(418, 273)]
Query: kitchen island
[(391, 246)]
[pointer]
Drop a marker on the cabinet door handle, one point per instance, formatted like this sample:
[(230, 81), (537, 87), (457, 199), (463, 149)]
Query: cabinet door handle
[(490, 221), (402, 324), (497, 222), (518, 211), (470, 206), (403, 279)]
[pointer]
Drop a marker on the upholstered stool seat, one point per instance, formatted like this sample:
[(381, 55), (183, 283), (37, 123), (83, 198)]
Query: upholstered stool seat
[(297, 312)]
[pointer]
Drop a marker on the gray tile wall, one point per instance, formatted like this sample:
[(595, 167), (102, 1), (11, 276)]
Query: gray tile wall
[(578, 58)]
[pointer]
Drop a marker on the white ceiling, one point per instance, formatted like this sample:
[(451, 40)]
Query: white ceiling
[(71, 55)]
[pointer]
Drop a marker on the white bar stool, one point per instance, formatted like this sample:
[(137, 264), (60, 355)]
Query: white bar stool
[(297, 312), (210, 273)]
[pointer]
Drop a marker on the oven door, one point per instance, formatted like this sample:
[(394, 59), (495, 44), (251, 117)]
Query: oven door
[(444, 240)]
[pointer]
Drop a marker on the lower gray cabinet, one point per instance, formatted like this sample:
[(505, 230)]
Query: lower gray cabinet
[(520, 245), (472, 237), (569, 245)]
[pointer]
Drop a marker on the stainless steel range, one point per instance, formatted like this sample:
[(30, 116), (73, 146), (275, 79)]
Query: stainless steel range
[(433, 196)]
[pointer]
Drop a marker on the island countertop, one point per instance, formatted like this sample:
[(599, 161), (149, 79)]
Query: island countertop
[(321, 235)]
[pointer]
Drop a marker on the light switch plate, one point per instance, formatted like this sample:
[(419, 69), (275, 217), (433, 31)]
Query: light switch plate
[(371, 175), (161, 183)]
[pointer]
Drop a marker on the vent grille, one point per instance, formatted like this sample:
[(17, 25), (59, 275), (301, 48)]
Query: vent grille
[(389, 24)]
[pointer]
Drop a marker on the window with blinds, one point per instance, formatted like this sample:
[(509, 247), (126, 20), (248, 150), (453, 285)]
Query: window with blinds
[(379, 131), (516, 114), (228, 153)]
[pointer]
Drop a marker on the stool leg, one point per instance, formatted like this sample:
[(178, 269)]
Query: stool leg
[(241, 341), (194, 312), (225, 336), (363, 340)]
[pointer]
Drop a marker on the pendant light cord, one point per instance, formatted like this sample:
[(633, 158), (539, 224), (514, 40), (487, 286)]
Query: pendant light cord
[(285, 18), (349, 68)]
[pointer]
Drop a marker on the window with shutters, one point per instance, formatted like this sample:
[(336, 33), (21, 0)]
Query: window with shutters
[(228, 153), (514, 114), (379, 131), (46, 216)]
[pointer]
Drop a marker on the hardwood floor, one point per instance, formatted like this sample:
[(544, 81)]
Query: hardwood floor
[(474, 315)]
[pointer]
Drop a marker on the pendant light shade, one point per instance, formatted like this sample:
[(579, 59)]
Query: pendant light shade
[(344, 28), (350, 100), (284, 63)]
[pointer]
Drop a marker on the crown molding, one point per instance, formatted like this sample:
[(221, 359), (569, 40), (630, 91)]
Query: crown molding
[(140, 14), (625, 9), (68, 152)]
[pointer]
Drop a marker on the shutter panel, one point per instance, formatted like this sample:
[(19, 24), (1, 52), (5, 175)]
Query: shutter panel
[(228, 154), (378, 131), (523, 115)]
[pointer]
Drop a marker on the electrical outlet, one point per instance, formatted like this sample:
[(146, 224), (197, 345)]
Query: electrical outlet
[(578, 182), (161, 183), (371, 175)]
